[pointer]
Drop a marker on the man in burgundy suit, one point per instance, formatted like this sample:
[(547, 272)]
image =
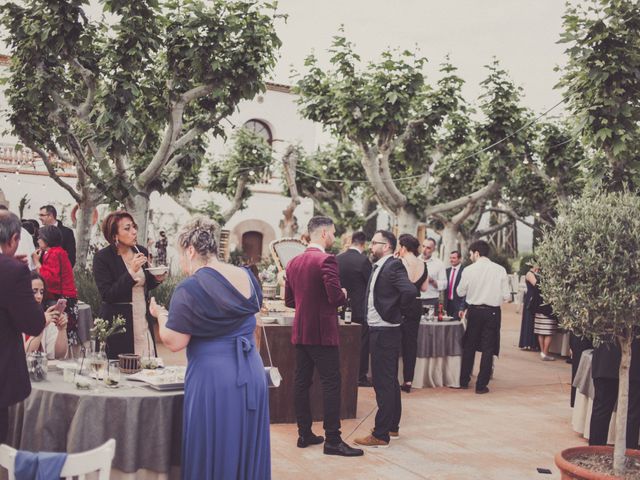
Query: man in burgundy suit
[(19, 313), (313, 289)]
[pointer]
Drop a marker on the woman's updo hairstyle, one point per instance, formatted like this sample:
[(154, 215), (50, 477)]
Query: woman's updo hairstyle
[(202, 234), (409, 242)]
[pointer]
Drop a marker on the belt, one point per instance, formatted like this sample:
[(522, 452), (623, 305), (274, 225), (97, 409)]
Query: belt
[(243, 348), (484, 307)]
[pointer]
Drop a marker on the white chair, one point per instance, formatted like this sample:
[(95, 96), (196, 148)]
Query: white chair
[(77, 465)]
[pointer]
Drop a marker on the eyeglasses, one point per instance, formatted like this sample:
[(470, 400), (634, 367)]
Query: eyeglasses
[(379, 243)]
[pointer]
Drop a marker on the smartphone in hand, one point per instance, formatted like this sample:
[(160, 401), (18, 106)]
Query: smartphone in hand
[(61, 304)]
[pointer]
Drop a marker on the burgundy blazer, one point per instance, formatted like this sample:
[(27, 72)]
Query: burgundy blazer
[(313, 289)]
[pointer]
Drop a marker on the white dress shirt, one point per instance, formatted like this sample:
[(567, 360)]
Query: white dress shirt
[(25, 247), (437, 271), (373, 317), (485, 283), (315, 245)]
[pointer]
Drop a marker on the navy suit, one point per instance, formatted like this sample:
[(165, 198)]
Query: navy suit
[(458, 303)]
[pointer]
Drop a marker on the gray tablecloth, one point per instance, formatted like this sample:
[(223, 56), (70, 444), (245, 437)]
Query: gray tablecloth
[(146, 424), (440, 339), (583, 381), (85, 321)]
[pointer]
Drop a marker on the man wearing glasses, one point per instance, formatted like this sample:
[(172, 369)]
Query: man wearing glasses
[(389, 295), (49, 216)]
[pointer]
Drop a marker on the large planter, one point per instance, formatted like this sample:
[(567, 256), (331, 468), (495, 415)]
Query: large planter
[(569, 471)]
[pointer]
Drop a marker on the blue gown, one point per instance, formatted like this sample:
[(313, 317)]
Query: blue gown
[(226, 405)]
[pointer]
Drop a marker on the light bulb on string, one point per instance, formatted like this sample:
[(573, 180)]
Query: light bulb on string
[(318, 184)]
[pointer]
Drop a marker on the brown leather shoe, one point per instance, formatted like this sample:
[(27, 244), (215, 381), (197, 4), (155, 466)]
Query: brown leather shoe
[(392, 435), (371, 441)]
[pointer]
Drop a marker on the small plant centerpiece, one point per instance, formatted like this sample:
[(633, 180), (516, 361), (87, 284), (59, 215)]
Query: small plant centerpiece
[(103, 329), (591, 276), (268, 276)]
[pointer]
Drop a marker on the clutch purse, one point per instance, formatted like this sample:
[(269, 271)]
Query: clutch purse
[(273, 374)]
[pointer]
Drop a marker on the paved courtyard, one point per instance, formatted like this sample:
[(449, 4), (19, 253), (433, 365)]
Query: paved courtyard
[(455, 434)]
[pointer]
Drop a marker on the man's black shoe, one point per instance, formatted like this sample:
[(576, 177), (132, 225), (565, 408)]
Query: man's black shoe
[(304, 442), (365, 383), (482, 390), (342, 449)]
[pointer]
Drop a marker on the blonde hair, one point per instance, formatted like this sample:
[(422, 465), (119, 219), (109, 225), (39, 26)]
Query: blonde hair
[(202, 234)]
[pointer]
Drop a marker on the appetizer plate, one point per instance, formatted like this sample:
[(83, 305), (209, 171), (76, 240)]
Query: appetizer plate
[(160, 270)]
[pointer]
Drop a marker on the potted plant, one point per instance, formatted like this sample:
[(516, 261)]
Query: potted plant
[(591, 275), (268, 277)]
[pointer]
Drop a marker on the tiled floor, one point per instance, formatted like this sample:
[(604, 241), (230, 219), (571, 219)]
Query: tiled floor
[(453, 434)]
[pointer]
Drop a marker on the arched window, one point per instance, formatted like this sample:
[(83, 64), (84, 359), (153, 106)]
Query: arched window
[(259, 128)]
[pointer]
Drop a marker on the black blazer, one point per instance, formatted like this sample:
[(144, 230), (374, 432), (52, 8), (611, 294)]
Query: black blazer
[(606, 361), (19, 313), (393, 294), (458, 301), (68, 243), (355, 270), (115, 286)]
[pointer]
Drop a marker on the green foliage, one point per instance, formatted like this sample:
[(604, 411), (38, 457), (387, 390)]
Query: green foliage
[(248, 161), (591, 268), (131, 101), (601, 82), (164, 291), (523, 268), (87, 289), (502, 259), (338, 200)]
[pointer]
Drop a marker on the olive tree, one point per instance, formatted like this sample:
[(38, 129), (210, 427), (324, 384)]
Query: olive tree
[(591, 277)]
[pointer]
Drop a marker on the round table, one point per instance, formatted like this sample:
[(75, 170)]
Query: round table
[(146, 424), (439, 354)]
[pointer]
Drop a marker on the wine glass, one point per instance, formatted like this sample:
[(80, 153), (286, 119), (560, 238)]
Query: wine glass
[(97, 364), (112, 375)]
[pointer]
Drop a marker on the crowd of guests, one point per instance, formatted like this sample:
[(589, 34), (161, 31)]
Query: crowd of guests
[(213, 316)]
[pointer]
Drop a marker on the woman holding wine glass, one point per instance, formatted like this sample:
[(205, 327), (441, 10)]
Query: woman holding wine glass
[(124, 284)]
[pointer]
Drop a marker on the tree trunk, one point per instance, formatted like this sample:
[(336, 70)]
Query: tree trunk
[(289, 223), (138, 207), (83, 230), (450, 235), (407, 222), (620, 444)]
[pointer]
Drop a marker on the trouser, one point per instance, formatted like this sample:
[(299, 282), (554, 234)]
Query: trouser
[(4, 424), (327, 360), (604, 401), (385, 350), (577, 345), (364, 350), (453, 308), (409, 347), (483, 326)]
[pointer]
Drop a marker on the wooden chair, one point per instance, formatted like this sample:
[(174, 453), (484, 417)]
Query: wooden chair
[(77, 464)]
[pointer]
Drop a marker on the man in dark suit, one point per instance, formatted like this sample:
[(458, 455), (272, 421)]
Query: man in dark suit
[(49, 216), (355, 269), (390, 294), (455, 303), (605, 373), (313, 288), (19, 313)]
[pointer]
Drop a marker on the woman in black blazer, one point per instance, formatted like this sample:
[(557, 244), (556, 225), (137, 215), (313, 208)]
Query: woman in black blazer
[(124, 285)]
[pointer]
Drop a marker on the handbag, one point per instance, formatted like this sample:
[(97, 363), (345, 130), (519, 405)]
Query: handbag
[(273, 374)]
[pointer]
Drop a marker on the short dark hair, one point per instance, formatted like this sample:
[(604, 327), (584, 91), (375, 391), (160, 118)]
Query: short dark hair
[(389, 237), (481, 247), (110, 224), (51, 210), (9, 226), (51, 235), (409, 242), (317, 222), (431, 239), (3, 207), (36, 276), (358, 238), (456, 253)]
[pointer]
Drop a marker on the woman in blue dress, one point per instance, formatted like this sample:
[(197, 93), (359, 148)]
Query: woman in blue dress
[(226, 401)]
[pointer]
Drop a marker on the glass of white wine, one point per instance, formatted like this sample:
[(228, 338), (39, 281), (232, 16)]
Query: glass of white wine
[(112, 375), (97, 364)]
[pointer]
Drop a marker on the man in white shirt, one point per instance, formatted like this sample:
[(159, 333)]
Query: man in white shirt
[(25, 247), (437, 279), (486, 286)]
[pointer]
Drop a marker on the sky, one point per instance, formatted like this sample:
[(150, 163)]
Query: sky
[(522, 34)]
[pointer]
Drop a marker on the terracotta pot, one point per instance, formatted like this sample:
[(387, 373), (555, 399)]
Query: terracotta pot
[(569, 471)]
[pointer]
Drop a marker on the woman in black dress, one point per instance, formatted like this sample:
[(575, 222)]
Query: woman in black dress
[(408, 246), (124, 285)]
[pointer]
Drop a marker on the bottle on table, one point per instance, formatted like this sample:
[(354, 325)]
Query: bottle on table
[(440, 313), (347, 313)]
